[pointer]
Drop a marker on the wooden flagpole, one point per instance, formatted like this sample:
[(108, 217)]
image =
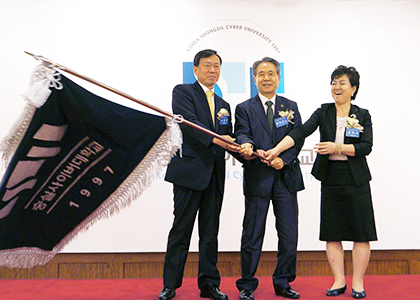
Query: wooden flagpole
[(176, 118)]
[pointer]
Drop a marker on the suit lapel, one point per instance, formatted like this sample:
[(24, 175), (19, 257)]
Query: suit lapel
[(202, 100), (353, 111), (279, 106), (217, 107), (332, 119), (259, 110)]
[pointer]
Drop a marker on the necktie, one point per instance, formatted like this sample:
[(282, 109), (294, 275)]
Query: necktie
[(270, 116), (209, 95)]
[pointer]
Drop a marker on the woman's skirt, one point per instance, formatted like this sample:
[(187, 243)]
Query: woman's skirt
[(346, 209)]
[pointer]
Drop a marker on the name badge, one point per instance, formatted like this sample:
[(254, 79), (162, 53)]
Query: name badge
[(224, 120), (280, 122), (352, 132)]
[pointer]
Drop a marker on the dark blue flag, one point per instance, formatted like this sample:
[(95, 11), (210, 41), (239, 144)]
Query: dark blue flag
[(80, 158)]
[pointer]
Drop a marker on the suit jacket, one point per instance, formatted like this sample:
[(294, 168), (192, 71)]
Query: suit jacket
[(199, 155), (325, 118), (251, 126)]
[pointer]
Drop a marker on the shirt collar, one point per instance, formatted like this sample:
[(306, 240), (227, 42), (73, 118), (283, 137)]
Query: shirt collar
[(265, 99), (205, 89)]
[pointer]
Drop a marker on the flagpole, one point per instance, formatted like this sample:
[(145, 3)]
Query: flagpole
[(150, 106)]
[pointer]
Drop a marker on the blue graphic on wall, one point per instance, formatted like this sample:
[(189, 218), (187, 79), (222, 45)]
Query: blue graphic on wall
[(234, 74)]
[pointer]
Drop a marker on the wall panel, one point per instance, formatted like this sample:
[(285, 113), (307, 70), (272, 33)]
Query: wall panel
[(150, 265)]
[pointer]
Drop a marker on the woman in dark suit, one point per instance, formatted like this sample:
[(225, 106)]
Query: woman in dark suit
[(340, 165)]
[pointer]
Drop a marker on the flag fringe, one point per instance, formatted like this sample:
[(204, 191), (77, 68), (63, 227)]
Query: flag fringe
[(11, 142), (43, 77), (132, 187)]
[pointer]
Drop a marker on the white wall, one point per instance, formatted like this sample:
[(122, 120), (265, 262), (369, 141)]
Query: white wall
[(138, 47)]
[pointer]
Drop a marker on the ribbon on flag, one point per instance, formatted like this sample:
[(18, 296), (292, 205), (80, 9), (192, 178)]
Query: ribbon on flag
[(72, 159)]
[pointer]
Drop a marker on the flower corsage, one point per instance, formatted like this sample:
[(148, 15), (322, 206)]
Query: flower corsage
[(352, 122), (289, 114), (223, 112)]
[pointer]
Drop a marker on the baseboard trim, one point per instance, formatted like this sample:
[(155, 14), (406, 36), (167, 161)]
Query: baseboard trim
[(150, 265)]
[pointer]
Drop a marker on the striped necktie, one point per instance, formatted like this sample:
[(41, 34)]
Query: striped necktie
[(270, 116)]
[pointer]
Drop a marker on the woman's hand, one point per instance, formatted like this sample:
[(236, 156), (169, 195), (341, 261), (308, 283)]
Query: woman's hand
[(271, 154), (277, 163), (286, 143), (325, 148)]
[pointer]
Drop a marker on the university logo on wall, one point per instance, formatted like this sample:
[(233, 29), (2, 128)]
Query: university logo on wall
[(240, 43)]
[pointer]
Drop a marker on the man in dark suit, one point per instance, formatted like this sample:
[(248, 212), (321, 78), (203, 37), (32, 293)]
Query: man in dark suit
[(198, 177), (260, 123)]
